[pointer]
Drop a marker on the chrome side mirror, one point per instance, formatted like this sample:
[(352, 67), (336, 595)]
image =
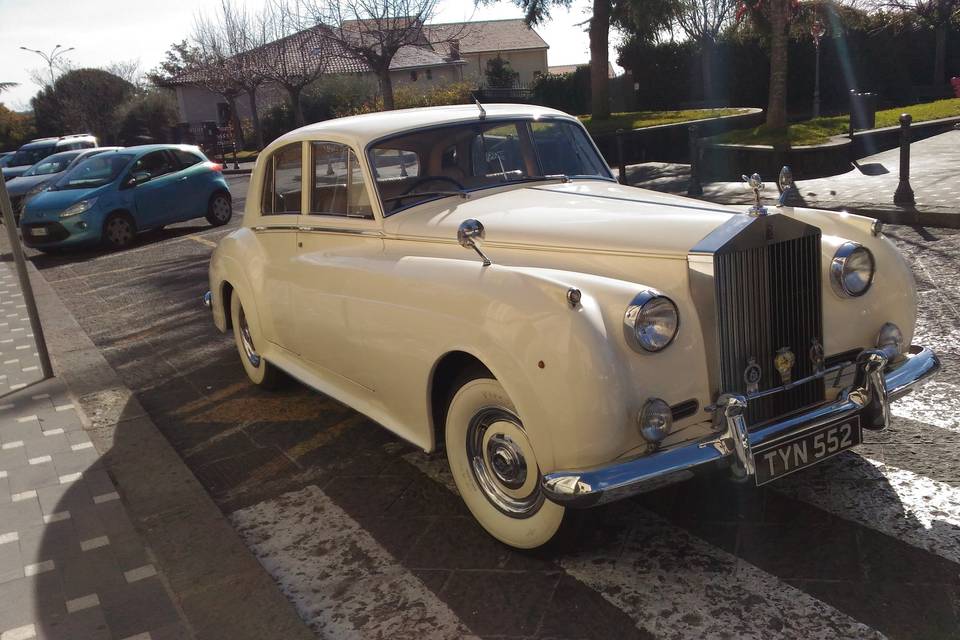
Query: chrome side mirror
[(755, 183), (467, 235)]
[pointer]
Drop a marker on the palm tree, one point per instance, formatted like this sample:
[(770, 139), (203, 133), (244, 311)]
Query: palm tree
[(7, 85)]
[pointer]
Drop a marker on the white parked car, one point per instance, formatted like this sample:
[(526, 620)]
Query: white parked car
[(475, 279)]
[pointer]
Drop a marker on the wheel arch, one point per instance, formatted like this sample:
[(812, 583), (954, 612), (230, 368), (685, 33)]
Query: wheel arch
[(444, 375)]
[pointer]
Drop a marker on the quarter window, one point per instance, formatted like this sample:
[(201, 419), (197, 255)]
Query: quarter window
[(185, 158), (283, 180), (338, 187)]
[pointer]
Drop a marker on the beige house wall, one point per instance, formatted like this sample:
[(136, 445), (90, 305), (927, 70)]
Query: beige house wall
[(527, 63)]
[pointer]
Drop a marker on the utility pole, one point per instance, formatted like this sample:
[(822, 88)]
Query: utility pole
[(50, 58)]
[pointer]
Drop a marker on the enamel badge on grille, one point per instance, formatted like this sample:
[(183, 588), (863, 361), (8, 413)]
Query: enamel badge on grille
[(784, 362)]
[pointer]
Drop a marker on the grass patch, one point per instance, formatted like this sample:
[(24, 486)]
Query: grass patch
[(640, 119), (820, 130)]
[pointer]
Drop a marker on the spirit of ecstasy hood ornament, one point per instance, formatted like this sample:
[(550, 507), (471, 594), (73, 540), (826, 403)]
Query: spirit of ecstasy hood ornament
[(755, 183)]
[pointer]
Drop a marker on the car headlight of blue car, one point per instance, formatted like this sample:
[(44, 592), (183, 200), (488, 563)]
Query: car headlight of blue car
[(78, 208)]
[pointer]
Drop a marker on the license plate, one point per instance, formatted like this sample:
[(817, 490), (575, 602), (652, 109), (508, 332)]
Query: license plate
[(806, 450), (38, 231)]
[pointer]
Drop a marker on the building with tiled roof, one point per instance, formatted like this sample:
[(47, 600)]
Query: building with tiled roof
[(451, 52)]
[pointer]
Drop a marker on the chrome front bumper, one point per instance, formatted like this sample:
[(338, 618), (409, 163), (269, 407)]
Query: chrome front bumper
[(876, 383)]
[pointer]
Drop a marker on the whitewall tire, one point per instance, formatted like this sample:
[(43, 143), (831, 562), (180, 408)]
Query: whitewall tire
[(260, 372), (495, 467)]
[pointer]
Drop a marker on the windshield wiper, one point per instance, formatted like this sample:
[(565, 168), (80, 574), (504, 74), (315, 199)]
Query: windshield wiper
[(463, 194)]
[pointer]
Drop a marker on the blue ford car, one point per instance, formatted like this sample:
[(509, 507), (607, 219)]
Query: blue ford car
[(111, 197)]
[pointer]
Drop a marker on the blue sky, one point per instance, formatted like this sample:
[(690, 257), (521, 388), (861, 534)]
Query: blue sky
[(104, 31)]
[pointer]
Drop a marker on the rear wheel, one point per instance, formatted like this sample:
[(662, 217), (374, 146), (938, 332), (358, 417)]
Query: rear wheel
[(219, 210), (260, 372), (119, 231), (495, 467)]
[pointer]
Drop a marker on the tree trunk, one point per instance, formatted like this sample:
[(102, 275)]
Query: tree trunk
[(940, 54), (777, 103), (386, 89), (599, 60), (255, 118), (235, 122), (706, 70), (295, 106)]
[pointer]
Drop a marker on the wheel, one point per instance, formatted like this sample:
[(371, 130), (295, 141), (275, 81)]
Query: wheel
[(260, 372), (119, 231), (219, 210), (495, 467)]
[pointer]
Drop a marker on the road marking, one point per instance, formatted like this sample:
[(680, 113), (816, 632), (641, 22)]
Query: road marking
[(94, 543), (26, 632), (40, 459), (336, 574), (11, 536), (83, 602), (56, 517), (38, 567), (910, 507), (661, 576), (107, 497), (202, 241), (24, 495), (140, 573)]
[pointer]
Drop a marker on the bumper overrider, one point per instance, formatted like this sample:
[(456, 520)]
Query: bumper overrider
[(878, 380)]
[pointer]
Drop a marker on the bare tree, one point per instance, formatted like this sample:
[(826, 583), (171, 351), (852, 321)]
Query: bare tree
[(373, 31), (214, 67), (297, 52), (702, 21), (129, 70), (929, 14)]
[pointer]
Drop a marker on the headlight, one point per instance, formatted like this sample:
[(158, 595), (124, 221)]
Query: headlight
[(651, 322), (851, 271), (78, 208), (655, 420)]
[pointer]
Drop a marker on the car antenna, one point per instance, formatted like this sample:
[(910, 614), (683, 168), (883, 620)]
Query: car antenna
[(483, 112)]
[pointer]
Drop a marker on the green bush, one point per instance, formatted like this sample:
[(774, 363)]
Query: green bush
[(569, 92), (15, 128), (147, 118)]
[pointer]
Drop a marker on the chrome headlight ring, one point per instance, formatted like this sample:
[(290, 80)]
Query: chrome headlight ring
[(852, 270), (651, 322)]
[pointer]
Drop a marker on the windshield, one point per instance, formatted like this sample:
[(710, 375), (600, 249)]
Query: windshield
[(52, 164), (27, 157), (94, 172), (436, 163)]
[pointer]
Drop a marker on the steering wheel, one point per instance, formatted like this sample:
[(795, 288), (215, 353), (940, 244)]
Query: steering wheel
[(425, 179)]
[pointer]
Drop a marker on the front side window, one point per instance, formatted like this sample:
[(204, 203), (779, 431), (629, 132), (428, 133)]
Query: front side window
[(27, 157), (94, 172), (156, 163), (51, 164), (283, 181), (446, 161), (338, 188)]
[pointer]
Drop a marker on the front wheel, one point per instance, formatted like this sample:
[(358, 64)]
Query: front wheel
[(495, 467), (219, 209), (119, 231)]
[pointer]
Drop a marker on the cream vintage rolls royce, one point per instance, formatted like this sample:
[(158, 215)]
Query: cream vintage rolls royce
[(474, 279)]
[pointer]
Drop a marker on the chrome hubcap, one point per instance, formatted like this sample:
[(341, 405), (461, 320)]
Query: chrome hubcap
[(501, 459), (246, 341)]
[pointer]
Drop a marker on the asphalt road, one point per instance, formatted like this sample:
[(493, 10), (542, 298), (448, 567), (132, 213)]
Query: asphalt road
[(368, 539)]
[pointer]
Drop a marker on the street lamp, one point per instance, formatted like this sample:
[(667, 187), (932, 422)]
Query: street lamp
[(50, 58), (817, 29)]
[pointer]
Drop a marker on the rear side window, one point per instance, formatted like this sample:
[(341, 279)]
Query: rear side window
[(156, 163), (283, 181), (338, 187), (186, 159)]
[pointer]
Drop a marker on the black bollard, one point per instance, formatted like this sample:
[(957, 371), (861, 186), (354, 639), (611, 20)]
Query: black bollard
[(622, 174), (695, 188), (904, 193)]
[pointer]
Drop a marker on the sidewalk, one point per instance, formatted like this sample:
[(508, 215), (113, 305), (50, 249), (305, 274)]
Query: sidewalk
[(104, 531), (72, 565), (867, 190)]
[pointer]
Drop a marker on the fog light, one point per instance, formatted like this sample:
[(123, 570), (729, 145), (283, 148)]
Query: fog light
[(655, 420), (890, 339), (82, 225)]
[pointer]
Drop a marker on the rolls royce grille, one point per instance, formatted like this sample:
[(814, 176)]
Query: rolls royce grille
[(769, 303)]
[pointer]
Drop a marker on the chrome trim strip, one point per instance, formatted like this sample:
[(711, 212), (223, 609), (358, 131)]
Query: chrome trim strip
[(340, 230), (619, 480), (274, 227)]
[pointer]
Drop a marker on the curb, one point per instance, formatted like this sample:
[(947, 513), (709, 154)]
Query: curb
[(237, 172), (217, 584)]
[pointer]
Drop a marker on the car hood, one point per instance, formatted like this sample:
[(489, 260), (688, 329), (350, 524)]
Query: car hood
[(51, 203), (583, 215), (9, 173), (21, 185)]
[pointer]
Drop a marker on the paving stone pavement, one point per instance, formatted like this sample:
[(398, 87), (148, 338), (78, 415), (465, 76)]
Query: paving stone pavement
[(72, 566), (867, 189)]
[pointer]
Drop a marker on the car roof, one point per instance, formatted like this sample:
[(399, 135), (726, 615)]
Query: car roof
[(147, 148), (362, 129)]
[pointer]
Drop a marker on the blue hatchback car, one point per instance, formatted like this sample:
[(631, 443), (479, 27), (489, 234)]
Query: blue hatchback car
[(112, 196)]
